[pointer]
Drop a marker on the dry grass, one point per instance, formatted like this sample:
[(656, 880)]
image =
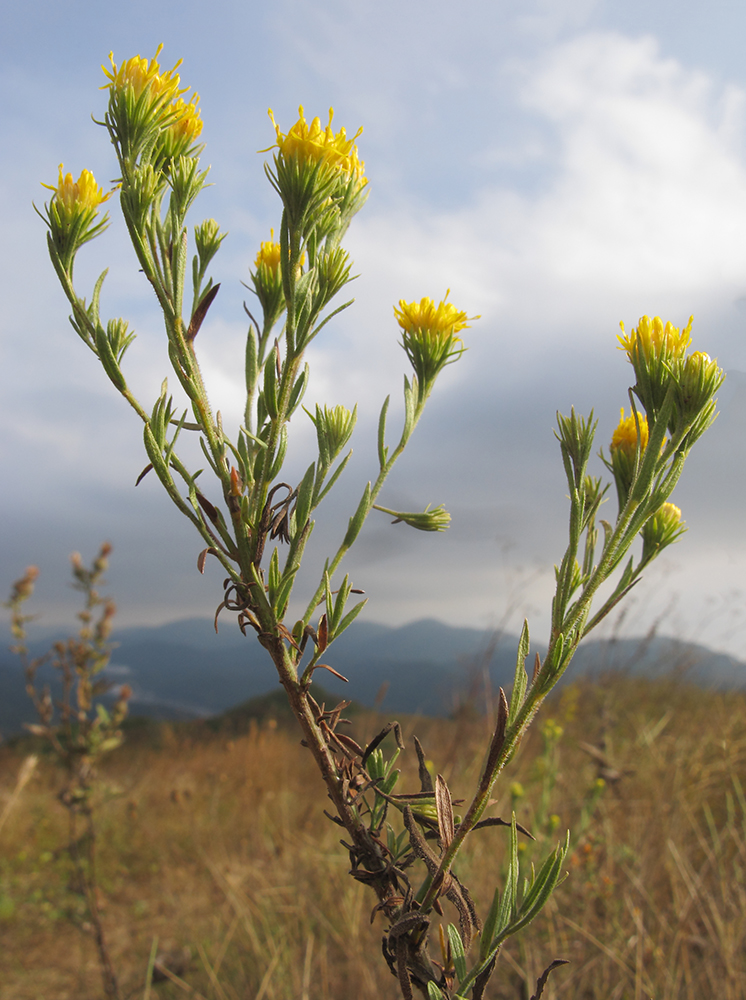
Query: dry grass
[(219, 848)]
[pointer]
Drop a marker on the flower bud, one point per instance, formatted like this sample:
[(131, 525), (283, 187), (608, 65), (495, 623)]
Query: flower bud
[(699, 379), (334, 427), (661, 530), (429, 520)]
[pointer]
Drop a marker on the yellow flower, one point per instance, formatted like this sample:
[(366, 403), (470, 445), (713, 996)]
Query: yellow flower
[(654, 340), (624, 437), (137, 73), (269, 254), (426, 316), (187, 124), (75, 197), (314, 143), (430, 339)]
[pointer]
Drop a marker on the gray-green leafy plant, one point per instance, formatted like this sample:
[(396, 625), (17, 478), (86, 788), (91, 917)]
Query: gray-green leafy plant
[(404, 846)]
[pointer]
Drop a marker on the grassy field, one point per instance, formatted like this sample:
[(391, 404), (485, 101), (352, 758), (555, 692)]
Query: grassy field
[(216, 845)]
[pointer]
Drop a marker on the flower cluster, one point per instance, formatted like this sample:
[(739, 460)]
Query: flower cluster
[(320, 178), (658, 354), (146, 107)]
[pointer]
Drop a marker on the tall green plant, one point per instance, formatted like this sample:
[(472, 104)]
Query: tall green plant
[(257, 525), (78, 727)]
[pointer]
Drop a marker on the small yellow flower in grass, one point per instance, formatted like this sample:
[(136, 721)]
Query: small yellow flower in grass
[(137, 74), (313, 143), (430, 335)]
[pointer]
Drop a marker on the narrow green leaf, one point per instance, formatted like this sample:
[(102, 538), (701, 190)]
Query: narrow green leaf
[(490, 928), (457, 951), (298, 391), (305, 498), (382, 449), (520, 680), (358, 519), (350, 617), (282, 448)]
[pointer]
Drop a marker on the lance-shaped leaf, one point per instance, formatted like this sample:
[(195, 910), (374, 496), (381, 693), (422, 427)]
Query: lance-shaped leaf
[(520, 681)]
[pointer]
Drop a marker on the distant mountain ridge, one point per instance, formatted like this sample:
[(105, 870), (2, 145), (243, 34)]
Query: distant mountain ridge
[(184, 670)]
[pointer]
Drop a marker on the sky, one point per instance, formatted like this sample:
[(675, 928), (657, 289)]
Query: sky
[(559, 166)]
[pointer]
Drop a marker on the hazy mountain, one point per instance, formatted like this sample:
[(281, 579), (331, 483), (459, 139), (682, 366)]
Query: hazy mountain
[(184, 670)]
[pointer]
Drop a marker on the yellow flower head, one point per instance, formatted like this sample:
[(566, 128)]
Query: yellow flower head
[(138, 73), (624, 437), (187, 124), (655, 340), (269, 255), (427, 317), (313, 143), (429, 335), (76, 197)]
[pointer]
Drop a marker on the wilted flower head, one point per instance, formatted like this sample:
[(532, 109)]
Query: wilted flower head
[(314, 143)]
